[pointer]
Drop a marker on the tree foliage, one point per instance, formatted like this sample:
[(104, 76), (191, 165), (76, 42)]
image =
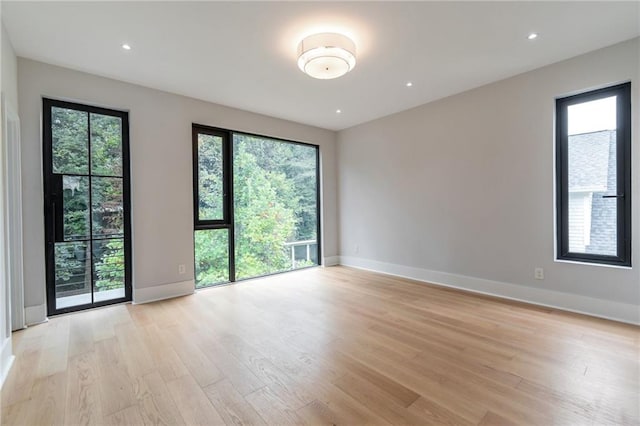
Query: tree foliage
[(275, 202), (104, 218), (274, 195)]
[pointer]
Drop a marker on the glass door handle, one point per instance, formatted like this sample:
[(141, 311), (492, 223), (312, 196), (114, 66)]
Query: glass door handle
[(613, 196)]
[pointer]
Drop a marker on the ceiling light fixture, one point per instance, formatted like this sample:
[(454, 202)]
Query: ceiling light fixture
[(532, 36), (326, 55), (126, 46), (409, 84), (338, 111)]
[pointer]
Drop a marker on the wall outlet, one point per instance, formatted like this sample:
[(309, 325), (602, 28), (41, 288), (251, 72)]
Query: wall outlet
[(538, 274), (182, 269), (356, 248)]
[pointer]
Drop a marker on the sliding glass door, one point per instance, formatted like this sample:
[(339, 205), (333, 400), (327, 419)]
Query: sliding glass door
[(87, 218), (270, 195)]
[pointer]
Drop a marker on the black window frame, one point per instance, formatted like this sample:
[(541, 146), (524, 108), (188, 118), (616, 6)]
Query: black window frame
[(227, 189), (52, 217), (226, 178), (228, 221), (623, 176)]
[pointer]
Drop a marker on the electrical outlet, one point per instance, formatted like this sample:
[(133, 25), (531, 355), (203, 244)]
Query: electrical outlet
[(356, 248), (538, 274), (181, 269)]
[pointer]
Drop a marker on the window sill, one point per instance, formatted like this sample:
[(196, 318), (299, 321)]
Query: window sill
[(601, 265)]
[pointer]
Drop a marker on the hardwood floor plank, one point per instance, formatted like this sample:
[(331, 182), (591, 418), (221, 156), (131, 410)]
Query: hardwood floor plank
[(432, 413), (116, 386), (165, 358), (81, 339), (377, 400), (134, 351), (493, 419), (199, 365), (23, 374), (239, 375), (325, 346), (47, 403), (194, 406), (397, 392), (233, 408), (54, 355), (83, 405), (271, 409), (317, 413), (286, 388), (155, 402), (129, 416)]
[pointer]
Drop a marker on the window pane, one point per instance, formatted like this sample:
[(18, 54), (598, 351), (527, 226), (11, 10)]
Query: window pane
[(592, 175), (210, 174), (275, 205), (106, 145), (72, 274), (107, 204), (212, 257), (75, 201), (69, 131), (108, 258)]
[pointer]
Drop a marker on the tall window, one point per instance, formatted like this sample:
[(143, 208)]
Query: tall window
[(87, 206), (256, 205), (593, 172)]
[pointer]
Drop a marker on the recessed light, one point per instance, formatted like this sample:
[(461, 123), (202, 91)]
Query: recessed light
[(532, 36), (126, 46), (338, 111), (409, 84)]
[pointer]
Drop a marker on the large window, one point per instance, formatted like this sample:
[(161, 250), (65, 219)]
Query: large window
[(87, 207), (593, 172), (256, 205)]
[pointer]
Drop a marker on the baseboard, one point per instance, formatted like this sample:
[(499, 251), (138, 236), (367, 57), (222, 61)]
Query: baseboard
[(35, 314), (161, 292), (331, 261), (6, 360), (623, 312)]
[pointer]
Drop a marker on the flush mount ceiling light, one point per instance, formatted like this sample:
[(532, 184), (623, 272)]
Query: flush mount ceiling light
[(326, 55)]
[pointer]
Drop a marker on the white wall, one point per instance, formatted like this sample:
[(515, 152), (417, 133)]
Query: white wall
[(161, 179), (461, 191), (9, 70), (9, 91)]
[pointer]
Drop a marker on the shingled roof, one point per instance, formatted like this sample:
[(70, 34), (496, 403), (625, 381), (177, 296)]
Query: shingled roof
[(589, 158)]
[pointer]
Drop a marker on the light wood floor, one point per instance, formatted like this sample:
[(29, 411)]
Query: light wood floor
[(325, 346)]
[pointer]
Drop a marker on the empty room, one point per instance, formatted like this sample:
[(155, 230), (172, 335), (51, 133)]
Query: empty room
[(308, 213)]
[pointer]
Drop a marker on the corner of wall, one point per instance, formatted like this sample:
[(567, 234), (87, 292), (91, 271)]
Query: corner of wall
[(161, 292), (35, 314), (622, 312)]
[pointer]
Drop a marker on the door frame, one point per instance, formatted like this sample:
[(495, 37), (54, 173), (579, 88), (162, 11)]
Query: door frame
[(49, 214), (14, 237)]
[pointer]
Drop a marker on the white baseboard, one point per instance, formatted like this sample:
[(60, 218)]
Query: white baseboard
[(165, 291), (623, 312), (35, 314), (331, 261), (6, 360)]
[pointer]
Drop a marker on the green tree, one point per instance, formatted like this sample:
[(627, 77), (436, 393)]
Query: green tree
[(70, 157), (275, 202)]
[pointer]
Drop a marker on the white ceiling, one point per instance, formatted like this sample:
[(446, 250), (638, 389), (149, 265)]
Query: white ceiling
[(243, 54)]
